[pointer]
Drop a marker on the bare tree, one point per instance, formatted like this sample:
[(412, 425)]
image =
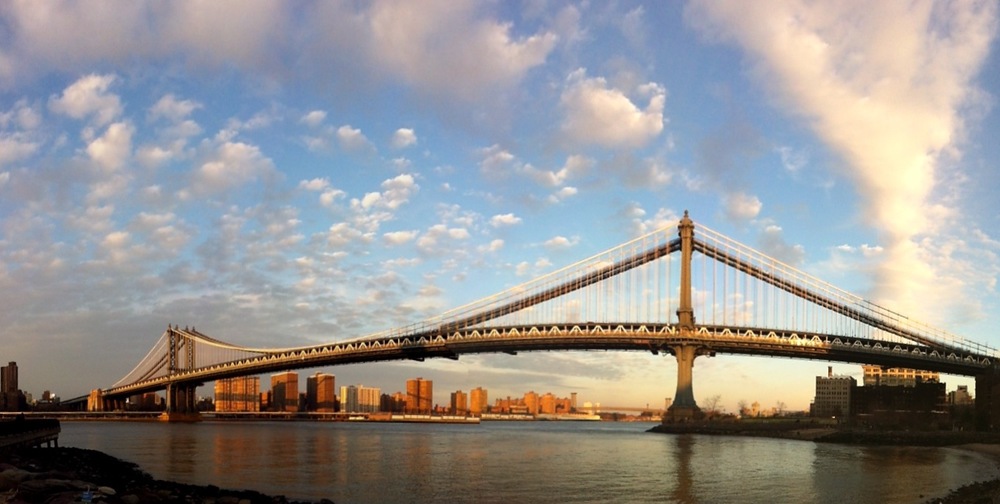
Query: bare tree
[(744, 408), (779, 409), (712, 405)]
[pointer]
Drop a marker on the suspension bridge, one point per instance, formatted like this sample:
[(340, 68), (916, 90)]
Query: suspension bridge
[(678, 290)]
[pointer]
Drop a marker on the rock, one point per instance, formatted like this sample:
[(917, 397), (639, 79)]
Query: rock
[(130, 499), (106, 490), (11, 477)]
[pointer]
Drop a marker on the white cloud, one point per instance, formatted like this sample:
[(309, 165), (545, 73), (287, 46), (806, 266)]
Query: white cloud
[(740, 206), (342, 234), (561, 243), (497, 162), (399, 237), (404, 137), (16, 147), (89, 96), (316, 184), (170, 108), (112, 150), (4, 178), (597, 114), (314, 118), (772, 243), (886, 87), (562, 194), (329, 196), (233, 164), (351, 139), (442, 47), (575, 166), (504, 220), (493, 246)]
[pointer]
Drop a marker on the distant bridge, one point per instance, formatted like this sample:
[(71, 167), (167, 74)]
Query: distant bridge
[(670, 291)]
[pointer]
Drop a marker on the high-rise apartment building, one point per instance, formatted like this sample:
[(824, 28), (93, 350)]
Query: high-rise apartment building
[(285, 391), (833, 395), (547, 403), (321, 393), (238, 394), (897, 377), (478, 401), (10, 395), (8, 377), (360, 399), (459, 403), (532, 403), (419, 396)]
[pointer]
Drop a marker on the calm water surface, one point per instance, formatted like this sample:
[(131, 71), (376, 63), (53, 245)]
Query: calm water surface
[(576, 462)]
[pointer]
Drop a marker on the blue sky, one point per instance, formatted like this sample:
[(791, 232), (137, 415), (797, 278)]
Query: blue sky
[(279, 174)]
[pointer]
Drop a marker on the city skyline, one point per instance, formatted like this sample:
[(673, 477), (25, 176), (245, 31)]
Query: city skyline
[(281, 175)]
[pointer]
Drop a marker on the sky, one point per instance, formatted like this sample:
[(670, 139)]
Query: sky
[(290, 173)]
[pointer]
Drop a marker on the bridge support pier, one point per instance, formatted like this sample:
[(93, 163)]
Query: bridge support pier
[(684, 408), (181, 403)]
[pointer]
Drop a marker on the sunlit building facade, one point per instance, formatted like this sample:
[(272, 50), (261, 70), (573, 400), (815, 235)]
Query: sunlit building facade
[(285, 391), (238, 394), (419, 396), (833, 395), (897, 377), (321, 393), (459, 403), (478, 401)]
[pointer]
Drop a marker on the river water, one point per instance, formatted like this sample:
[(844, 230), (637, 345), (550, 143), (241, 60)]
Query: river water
[(579, 462)]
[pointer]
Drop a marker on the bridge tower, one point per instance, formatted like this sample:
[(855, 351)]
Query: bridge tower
[(684, 407), (181, 396)]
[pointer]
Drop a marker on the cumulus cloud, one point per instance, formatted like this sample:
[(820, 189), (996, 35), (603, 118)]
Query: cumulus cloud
[(740, 206), (231, 165), (111, 150), (352, 139), (575, 166), (313, 118), (399, 237), (88, 96), (403, 137), (170, 108), (595, 113), (560, 243), (886, 87), (15, 148), (443, 47), (504, 220), (772, 242)]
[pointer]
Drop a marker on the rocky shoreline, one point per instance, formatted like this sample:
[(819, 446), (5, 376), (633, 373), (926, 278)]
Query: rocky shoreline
[(988, 443), (66, 475)]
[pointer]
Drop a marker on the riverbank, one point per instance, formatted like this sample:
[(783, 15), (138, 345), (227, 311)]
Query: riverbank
[(65, 475)]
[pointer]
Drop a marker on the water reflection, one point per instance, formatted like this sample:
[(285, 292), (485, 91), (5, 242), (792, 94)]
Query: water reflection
[(683, 447), (541, 462)]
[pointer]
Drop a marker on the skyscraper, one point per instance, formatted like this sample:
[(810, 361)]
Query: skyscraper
[(321, 393), (10, 395), (285, 391), (478, 401), (419, 396), (8, 377), (459, 403), (238, 394)]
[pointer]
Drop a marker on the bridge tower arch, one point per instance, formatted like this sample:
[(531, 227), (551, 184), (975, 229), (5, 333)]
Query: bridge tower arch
[(181, 398), (684, 407)]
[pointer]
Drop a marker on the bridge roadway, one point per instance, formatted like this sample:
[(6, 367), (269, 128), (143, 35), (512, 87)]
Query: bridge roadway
[(655, 338)]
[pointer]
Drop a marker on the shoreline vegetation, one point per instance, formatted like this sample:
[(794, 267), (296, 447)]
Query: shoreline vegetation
[(986, 443)]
